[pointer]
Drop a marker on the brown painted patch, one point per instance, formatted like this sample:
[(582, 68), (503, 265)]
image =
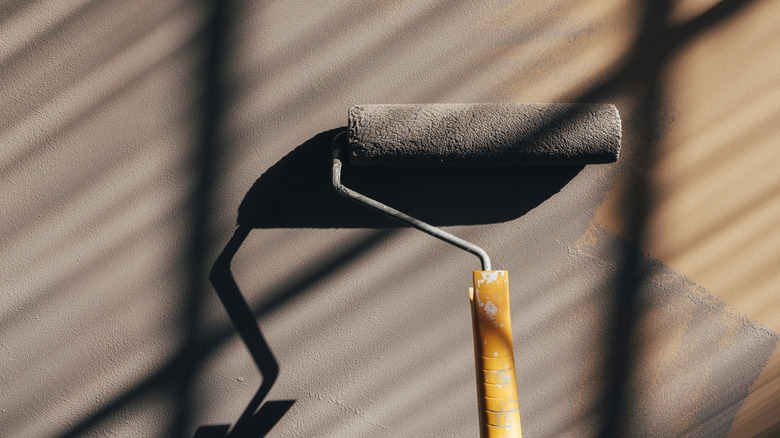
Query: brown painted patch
[(683, 347), (715, 185)]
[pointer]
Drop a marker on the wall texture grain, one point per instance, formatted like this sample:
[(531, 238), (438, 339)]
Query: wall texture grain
[(174, 262)]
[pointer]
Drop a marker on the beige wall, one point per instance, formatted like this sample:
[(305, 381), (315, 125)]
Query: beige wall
[(644, 292)]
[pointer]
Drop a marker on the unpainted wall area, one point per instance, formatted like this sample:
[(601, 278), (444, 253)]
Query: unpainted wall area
[(135, 136)]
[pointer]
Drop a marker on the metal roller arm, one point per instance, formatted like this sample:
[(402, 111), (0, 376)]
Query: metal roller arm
[(402, 217)]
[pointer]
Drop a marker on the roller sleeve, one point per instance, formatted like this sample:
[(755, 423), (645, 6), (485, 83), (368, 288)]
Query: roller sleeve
[(483, 135)]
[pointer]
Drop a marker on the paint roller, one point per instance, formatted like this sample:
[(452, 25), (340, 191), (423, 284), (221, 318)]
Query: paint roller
[(478, 135)]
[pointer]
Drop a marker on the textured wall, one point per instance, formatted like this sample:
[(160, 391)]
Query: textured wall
[(135, 135)]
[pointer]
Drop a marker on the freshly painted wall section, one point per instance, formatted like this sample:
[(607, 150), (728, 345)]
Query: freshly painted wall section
[(174, 261)]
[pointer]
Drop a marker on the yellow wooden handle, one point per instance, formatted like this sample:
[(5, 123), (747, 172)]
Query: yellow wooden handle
[(499, 411)]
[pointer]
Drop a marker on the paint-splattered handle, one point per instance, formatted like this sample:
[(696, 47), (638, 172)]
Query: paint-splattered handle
[(499, 413)]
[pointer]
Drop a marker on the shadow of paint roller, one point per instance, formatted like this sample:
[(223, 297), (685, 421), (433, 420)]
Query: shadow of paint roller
[(478, 135)]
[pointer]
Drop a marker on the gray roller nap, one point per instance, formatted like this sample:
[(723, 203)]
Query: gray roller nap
[(467, 135)]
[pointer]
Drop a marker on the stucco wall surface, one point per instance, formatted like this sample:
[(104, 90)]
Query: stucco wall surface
[(175, 263)]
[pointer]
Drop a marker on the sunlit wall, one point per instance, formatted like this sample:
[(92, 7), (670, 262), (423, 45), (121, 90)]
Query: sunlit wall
[(174, 263)]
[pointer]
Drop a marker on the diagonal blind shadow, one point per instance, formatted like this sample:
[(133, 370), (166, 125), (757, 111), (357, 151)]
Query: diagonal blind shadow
[(643, 71)]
